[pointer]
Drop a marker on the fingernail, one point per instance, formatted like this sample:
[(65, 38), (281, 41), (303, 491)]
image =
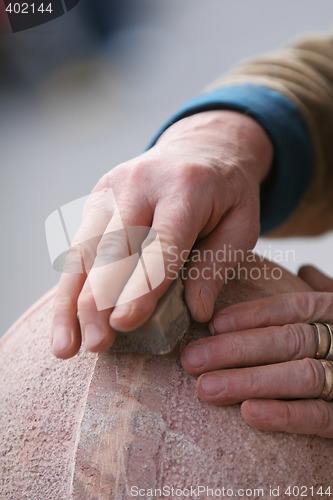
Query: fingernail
[(121, 311), (62, 339), (223, 323), (196, 355), (213, 385), (212, 329), (257, 410), (208, 300), (93, 336)]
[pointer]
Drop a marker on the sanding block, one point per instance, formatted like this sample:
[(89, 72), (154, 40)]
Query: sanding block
[(162, 332)]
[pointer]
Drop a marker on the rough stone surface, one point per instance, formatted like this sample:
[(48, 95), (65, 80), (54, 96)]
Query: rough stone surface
[(42, 400), (90, 428)]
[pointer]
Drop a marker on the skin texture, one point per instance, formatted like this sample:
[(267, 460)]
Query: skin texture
[(194, 187), (261, 355)]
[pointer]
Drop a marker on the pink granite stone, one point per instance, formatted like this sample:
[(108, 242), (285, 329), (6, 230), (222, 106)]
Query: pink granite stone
[(42, 400), (94, 426)]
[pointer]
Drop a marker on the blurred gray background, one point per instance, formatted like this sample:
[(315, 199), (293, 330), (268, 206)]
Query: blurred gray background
[(75, 100)]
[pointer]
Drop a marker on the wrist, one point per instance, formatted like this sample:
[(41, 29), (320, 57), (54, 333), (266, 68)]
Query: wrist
[(225, 130)]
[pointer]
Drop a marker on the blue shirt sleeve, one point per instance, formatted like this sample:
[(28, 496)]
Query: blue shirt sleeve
[(293, 164)]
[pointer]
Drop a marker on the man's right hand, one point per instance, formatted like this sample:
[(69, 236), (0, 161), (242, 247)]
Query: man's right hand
[(198, 187)]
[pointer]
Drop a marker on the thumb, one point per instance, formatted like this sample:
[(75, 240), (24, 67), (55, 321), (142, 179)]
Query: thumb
[(316, 278)]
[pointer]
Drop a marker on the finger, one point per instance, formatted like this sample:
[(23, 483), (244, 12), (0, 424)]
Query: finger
[(215, 257), (316, 279), (250, 348), (314, 416), (113, 266), (97, 335), (290, 380), (175, 237), (280, 309), (65, 332), (144, 287)]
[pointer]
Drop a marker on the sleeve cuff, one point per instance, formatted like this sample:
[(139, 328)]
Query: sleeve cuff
[(293, 164)]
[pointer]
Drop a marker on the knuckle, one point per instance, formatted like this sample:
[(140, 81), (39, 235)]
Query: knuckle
[(324, 305), (313, 375), (80, 256), (293, 302), (113, 246), (63, 302), (306, 303), (104, 246), (252, 383), (169, 239), (87, 254), (290, 415), (297, 340), (73, 263), (311, 305), (235, 350), (323, 416), (138, 172), (133, 174), (103, 182), (98, 202), (86, 301), (188, 174)]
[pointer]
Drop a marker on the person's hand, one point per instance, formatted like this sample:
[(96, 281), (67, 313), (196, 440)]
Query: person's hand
[(262, 355), (199, 185)]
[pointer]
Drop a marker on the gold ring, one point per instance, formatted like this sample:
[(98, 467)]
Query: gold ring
[(329, 355), (327, 392), (324, 332)]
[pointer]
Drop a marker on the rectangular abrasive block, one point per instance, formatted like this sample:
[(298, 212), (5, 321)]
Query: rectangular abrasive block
[(162, 332)]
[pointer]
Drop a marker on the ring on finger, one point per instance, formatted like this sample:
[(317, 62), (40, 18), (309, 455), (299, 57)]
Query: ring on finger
[(324, 333), (327, 392)]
